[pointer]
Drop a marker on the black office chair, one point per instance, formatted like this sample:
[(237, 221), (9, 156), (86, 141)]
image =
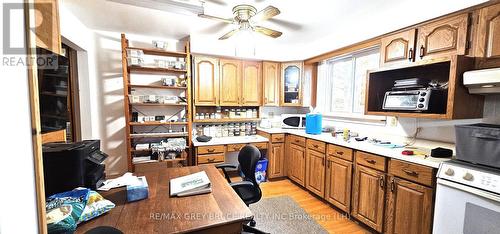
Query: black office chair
[(248, 189)]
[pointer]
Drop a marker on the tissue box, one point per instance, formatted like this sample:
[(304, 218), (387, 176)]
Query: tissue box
[(138, 191)]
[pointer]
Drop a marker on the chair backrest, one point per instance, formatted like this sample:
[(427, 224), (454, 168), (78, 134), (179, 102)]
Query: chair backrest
[(248, 157)]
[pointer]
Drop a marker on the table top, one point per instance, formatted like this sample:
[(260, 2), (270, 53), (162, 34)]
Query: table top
[(160, 213)]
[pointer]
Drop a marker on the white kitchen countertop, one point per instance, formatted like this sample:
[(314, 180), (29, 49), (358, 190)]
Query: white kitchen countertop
[(420, 145), (231, 140)]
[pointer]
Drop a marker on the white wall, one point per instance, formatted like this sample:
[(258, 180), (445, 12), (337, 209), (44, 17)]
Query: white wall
[(18, 211)]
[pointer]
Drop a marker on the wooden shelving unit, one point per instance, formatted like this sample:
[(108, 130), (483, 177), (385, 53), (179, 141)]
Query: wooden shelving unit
[(130, 135)]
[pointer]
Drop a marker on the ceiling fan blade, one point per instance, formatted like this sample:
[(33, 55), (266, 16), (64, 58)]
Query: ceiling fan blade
[(218, 2), (286, 24), (229, 21), (229, 34), (267, 31), (266, 14)]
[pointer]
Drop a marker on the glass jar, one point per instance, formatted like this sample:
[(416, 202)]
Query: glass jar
[(249, 113), (219, 131), (230, 130), (226, 113), (218, 113), (232, 114), (201, 116), (236, 130), (242, 130), (255, 113), (225, 132)]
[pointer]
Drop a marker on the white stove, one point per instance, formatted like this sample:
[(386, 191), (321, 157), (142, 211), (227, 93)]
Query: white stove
[(467, 199)]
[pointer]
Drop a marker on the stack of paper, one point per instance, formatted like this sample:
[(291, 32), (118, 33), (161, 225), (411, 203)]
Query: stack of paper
[(124, 180), (197, 183)]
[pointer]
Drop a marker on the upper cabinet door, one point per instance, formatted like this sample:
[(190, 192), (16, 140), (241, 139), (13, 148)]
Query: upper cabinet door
[(443, 38), (488, 37), (48, 34), (230, 75), (291, 84), (398, 48), (271, 77), (251, 84), (206, 81)]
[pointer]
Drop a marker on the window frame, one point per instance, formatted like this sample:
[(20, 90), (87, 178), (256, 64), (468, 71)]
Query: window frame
[(351, 116)]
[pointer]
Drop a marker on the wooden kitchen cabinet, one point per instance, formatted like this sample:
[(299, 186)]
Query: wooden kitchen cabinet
[(230, 76), (338, 183), (409, 207), (488, 37), (369, 196), (315, 172), (206, 90), (291, 84), (48, 32), (276, 160), (271, 82), (296, 163), (398, 49), (444, 37), (251, 84)]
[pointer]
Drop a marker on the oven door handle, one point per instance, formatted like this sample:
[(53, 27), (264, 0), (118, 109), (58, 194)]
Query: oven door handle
[(471, 190)]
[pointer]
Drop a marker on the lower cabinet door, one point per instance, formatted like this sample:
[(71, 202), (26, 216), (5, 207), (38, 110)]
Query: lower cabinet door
[(297, 168), (409, 207), (338, 183), (369, 197), (276, 160), (315, 172)]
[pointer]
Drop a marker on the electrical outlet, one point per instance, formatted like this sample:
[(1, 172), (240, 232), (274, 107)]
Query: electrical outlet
[(393, 121)]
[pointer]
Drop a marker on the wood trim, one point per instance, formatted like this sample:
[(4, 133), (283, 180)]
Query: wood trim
[(76, 124), (126, 106), (54, 136), (35, 118)]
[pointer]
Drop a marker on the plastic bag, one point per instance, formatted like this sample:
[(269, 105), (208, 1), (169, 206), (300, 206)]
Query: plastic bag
[(96, 206), (64, 210)]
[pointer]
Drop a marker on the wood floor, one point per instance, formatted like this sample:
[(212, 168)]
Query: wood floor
[(329, 218)]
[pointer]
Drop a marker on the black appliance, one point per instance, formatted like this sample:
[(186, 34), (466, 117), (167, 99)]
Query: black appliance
[(70, 165)]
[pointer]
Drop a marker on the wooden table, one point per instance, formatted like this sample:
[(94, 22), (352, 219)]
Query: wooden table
[(220, 211)]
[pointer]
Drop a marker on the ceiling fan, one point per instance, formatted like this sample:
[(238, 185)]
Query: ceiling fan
[(246, 16)]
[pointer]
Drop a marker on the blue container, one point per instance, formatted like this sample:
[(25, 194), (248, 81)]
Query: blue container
[(138, 191), (314, 123), (260, 170)]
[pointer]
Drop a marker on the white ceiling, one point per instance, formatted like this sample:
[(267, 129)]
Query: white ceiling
[(314, 26)]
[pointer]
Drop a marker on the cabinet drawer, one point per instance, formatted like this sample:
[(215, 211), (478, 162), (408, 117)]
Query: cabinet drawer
[(413, 172), (210, 158), (261, 145), (371, 160), (316, 145), (234, 147), (340, 152), (210, 149), (300, 141), (277, 138)]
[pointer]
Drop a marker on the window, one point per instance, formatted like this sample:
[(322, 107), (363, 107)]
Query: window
[(342, 80)]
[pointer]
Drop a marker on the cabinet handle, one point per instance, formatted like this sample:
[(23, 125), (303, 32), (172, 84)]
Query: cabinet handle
[(371, 161), (265, 100), (381, 181), (316, 146), (422, 49), (340, 153), (211, 159), (392, 185), (410, 54), (297, 141), (210, 150), (410, 172)]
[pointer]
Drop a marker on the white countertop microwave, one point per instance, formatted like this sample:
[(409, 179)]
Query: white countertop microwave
[(295, 121)]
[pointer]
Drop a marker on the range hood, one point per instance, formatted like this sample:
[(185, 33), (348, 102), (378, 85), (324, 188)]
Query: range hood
[(485, 81)]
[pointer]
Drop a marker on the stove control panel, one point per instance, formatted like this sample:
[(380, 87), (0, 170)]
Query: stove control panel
[(475, 176)]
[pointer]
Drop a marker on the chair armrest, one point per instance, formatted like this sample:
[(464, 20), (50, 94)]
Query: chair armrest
[(223, 166), (241, 184), (226, 165)]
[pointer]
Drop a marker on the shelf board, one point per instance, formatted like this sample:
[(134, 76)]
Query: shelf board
[(54, 94), (159, 52), (54, 116), (157, 87), (409, 115), (156, 123), (154, 70), (158, 135), (225, 120), (158, 104)]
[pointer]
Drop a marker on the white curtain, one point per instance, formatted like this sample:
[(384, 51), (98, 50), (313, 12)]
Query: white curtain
[(324, 89)]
